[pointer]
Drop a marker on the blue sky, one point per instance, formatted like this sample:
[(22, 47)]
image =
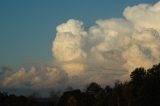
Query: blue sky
[(28, 27)]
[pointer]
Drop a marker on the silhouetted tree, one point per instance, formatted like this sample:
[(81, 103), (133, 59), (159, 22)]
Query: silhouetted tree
[(94, 88), (53, 98), (152, 86), (142, 90)]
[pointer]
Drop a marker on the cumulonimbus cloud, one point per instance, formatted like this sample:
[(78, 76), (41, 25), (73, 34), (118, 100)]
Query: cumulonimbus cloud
[(103, 53), (112, 46)]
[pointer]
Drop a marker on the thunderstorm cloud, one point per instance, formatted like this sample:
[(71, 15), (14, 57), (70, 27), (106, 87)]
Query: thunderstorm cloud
[(103, 53)]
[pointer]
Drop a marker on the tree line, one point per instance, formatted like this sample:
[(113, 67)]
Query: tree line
[(143, 89)]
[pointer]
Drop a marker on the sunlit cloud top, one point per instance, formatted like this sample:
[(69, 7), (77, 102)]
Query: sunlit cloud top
[(103, 53)]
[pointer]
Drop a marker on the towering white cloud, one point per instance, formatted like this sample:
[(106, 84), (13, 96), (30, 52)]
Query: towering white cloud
[(105, 52), (144, 16), (117, 44), (68, 44)]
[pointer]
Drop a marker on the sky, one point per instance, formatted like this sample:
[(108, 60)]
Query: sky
[(28, 27), (53, 44)]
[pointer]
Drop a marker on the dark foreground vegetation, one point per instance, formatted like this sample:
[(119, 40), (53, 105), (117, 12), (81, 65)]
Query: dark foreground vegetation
[(143, 89)]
